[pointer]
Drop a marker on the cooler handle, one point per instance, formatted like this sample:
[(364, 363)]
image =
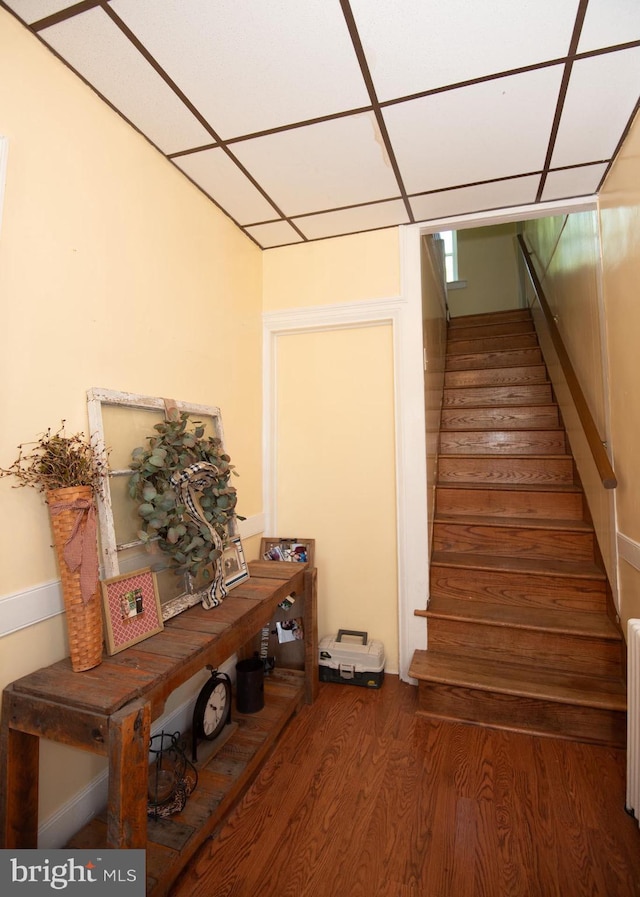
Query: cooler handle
[(357, 632)]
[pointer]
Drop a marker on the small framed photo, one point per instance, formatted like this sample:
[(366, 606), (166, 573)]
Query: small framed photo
[(300, 551), (233, 563), (131, 609)]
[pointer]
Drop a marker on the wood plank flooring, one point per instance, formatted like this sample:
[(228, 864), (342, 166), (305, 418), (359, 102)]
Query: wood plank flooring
[(363, 797)]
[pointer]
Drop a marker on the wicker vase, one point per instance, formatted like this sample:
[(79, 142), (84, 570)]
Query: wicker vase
[(70, 511)]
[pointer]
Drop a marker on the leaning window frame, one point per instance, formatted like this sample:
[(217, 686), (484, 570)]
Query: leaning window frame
[(97, 398)]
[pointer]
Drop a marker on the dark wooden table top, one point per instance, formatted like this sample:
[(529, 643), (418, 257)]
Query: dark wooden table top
[(151, 669)]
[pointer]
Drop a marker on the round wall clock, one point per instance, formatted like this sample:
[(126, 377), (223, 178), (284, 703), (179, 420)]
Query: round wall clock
[(212, 709)]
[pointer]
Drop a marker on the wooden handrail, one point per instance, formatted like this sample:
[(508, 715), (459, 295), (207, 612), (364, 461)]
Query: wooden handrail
[(596, 446)]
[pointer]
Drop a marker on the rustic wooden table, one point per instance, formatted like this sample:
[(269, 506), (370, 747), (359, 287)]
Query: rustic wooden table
[(109, 711)]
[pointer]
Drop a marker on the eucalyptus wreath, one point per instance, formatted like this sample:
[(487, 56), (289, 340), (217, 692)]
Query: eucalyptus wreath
[(189, 543)]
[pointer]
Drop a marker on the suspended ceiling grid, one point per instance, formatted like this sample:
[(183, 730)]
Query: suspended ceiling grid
[(307, 119)]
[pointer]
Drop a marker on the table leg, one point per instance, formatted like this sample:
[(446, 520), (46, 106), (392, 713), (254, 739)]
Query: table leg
[(310, 623), (129, 738), (19, 760)]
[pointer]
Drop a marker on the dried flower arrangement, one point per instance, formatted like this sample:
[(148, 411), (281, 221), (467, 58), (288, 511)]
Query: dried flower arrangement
[(58, 461)]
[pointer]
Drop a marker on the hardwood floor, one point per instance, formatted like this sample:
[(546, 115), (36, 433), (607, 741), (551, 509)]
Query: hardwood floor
[(364, 797)]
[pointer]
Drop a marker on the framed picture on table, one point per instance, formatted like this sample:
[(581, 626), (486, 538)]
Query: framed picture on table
[(233, 563), (297, 551), (131, 609)]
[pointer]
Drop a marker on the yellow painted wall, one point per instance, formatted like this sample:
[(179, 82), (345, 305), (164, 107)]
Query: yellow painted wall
[(335, 463), (114, 272), (487, 261), (578, 270), (332, 272), (335, 469), (567, 257), (571, 259), (619, 206)]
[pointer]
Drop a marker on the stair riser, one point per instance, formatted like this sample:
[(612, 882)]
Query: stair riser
[(519, 589), (503, 471), (529, 374), (509, 315), (536, 394), (503, 442), (486, 360), (491, 344), (497, 503), (501, 418), (500, 541), (480, 331), (573, 654), (517, 714)]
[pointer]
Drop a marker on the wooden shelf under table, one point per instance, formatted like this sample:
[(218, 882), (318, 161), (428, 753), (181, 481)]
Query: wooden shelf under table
[(223, 777), (109, 710)]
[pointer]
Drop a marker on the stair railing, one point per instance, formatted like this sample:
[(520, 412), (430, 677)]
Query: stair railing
[(596, 445)]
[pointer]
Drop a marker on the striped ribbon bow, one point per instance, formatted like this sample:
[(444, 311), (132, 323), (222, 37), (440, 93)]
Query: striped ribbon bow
[(187, 483)]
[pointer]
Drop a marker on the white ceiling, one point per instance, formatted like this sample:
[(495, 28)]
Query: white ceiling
[(305, 119)]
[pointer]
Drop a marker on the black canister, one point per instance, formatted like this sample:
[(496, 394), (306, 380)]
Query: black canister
[(250, 685)]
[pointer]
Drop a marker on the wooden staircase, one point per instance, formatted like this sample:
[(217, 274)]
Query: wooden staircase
[(520, 631)]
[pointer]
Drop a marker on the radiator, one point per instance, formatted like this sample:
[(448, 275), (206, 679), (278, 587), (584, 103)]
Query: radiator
[(633, 718)]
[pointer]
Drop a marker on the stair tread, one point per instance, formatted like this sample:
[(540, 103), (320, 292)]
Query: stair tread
[(517, 458), (487, 344), (485, 431), (501, 369), (482, 317), (502, 357), (530, 566), (538, 523), (520, 405), (512, 487), (481, 326), (589, 625), (483, 406), (523, 680), (451, 428)]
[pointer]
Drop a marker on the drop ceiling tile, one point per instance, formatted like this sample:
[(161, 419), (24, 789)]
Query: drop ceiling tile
[(322, 166), (349, 221), (220, 177), (482, 197), (477, 133), (609, 22), (252, 66), (99, 51), (418, 45), (602, 94), (572, 182), (275, 233), (33, 10)]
